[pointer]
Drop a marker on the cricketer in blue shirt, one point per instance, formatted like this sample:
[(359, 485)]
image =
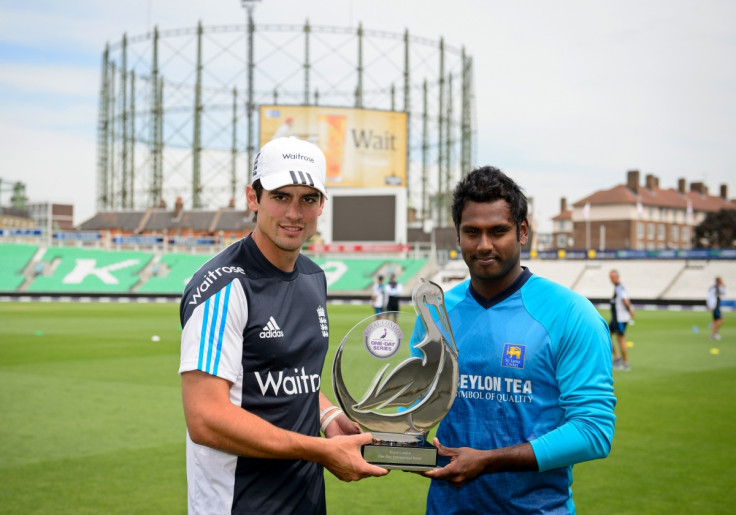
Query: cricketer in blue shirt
[(535, 392)]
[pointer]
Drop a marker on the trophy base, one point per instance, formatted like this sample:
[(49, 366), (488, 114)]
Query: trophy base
[(400, 451)]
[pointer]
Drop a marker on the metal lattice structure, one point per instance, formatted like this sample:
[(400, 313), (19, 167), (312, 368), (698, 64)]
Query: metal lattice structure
[(178, 108)]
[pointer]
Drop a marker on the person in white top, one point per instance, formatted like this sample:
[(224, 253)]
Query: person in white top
[(252, 315), (621, 313), (379, 296), (713, 302)]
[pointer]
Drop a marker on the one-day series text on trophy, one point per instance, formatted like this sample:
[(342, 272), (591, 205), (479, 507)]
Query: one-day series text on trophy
[(406, 388)]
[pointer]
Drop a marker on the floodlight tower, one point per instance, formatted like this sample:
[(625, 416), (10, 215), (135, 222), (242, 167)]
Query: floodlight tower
[(249, 5), (19, 198)]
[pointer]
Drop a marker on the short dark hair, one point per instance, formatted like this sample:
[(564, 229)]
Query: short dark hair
[(258, 188), (488, 184)]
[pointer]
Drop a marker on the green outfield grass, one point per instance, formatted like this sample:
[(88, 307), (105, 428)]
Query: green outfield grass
[(91, 418)]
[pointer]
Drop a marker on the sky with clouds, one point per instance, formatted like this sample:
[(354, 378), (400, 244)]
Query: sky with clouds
[(569, 94)]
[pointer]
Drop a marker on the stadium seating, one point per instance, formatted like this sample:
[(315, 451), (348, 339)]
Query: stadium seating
[(79, 270), (655, 279), (14, 258), (454, 272), (358, 275), (172, 272), (563, 272), (642, 279), (697, 276), (26, 268)]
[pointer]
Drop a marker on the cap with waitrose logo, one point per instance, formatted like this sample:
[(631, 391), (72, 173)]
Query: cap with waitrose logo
[(290, 161)]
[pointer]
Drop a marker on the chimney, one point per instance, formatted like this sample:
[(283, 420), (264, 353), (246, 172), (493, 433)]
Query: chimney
[(652, 182), (632, 181), (178, 206), (698, 187), (563, 205), (682, 186), (724, 191)]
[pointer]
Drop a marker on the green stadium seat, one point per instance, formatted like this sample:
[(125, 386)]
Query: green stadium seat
[(78, 270), (352, 274), (82, 270), (174, 273), (14, 257)]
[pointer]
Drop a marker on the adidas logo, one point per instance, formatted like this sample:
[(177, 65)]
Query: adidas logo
[(272, 330)]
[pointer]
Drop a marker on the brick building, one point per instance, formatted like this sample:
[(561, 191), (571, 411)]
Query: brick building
[(636, 216), (562, 232), (52, 215)]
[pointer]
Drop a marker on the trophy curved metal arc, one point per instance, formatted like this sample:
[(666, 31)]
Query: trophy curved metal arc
[(427, 385)]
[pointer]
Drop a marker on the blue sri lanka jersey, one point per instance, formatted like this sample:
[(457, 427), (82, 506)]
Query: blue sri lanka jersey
[(534, 366)]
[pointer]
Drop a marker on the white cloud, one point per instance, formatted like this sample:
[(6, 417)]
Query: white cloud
[(56, 166), (56, 79), (570, 94)]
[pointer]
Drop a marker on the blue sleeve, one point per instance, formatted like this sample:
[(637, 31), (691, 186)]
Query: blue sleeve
[(584, 376)]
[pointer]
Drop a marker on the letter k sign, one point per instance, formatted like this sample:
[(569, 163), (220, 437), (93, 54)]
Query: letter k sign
[(86, 267)]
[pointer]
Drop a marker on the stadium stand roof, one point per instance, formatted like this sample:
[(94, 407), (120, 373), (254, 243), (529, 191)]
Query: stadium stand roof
[(125, 221), (160, 220)]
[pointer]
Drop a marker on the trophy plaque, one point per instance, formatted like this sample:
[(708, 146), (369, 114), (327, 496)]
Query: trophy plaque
[(407, 383)]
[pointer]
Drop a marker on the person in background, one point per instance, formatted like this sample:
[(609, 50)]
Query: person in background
[(535, 392), (379, 296), (253, 344), (622, 311), (713, 302), (393, 289)]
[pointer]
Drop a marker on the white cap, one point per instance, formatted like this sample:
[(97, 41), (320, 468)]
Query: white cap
[(290, 161)]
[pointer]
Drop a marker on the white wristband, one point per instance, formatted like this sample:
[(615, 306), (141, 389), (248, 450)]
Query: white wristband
[(326, 411), (330, 419)]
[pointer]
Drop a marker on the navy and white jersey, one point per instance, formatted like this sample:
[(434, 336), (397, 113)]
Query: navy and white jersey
[(619, 311), (266, 332), (534, 366), (713, 300)]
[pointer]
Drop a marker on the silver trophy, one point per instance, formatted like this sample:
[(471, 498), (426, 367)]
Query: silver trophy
[(411, 390)]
